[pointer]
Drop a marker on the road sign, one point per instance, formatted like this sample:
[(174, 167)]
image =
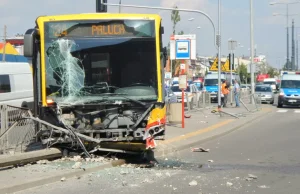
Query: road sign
[(225, 67), (183, 47), (182, 80), (182, 66)]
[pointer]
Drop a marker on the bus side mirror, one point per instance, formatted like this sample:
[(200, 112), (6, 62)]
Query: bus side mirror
[(165, 56), (29, 42)]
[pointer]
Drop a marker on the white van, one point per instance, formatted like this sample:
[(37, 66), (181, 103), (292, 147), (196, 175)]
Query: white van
[(272, 82), (16, 84)]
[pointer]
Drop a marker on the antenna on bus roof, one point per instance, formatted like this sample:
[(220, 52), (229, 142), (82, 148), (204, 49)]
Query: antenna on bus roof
[(101, 6)]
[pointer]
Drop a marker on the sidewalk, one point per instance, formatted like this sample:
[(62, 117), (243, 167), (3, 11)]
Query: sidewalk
[(45, 172), (205, 125)]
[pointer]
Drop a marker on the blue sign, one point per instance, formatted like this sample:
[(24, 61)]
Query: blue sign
[(183, 50)]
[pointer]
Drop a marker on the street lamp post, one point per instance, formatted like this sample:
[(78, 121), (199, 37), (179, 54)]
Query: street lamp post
[(252, 49), (219, 54), (231, 47), (287, 25), (217, 37)]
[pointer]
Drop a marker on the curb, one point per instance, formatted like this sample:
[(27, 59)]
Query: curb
[(162, 153), (56, 178)]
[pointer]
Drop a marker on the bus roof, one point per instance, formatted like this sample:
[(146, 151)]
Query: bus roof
[(94, 16)]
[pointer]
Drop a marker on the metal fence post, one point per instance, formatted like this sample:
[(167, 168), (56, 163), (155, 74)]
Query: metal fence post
[(187, 101)]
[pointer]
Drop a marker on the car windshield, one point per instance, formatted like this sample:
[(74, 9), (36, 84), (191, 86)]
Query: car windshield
[(212, 82), (263, 89), (270, 83), (177, 89), (290, 84)]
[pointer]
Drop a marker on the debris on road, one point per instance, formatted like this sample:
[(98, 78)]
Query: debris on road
[(263, 187), (211, 161), (199, 150), (229, 184), (251, 177), (43, 162), (77, 165), (124, 172), (193, 183), (63, 179), (124, 183)]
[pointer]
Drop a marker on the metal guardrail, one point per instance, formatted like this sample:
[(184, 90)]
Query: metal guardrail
[(16, 133)]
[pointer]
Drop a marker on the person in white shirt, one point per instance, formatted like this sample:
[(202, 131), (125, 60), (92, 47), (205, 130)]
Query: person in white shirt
[(236, 90)]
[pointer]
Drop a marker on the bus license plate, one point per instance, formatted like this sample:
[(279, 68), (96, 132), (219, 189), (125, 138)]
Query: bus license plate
[(292, 100)]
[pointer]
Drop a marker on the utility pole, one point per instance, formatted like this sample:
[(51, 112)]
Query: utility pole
[(293, 47), (231, 47), (287, 37), (4, 44), (219, 54), (120, 2), (297, 54), (252, 49)]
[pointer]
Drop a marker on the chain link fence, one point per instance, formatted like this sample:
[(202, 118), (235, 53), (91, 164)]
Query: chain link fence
[(16, 133)]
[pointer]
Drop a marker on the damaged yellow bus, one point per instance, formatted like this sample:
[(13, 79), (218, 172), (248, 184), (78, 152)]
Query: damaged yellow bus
[(98, 80)]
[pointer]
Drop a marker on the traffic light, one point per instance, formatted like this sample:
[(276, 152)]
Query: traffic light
[(100, 7), (229, 58), (231, 61)]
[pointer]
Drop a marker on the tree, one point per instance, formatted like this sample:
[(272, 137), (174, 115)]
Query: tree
[(244, 75), (272, 72), (180, 33), (175, 18)]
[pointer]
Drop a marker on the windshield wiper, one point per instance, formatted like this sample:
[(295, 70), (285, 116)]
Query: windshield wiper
[(122, 95)]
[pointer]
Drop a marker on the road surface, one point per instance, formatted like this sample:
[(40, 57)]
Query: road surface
[(260, 158)]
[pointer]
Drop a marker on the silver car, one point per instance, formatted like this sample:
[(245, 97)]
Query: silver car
[(264, 93)]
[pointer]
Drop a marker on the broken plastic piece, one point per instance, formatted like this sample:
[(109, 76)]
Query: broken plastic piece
[(200, 150)]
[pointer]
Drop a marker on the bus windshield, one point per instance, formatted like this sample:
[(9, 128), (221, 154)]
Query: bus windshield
[(290, 84), (88, 59)]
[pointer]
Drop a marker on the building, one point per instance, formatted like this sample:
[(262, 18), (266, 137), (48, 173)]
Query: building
[(17, 42)]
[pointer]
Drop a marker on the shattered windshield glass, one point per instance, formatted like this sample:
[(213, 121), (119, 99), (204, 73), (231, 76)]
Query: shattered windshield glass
[(86, 60)]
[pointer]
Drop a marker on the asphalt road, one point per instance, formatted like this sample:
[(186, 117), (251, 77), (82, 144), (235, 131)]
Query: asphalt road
[(267, 149)]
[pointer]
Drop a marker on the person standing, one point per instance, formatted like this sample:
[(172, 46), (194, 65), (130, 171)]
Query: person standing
[(236, 90), (224, 93)]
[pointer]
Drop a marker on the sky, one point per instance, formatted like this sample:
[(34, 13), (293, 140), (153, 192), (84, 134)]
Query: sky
[(269, 30)]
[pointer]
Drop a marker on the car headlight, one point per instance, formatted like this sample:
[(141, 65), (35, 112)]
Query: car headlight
[(281, 93)]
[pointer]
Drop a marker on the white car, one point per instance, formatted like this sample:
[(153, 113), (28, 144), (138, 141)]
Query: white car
[(192, 91)]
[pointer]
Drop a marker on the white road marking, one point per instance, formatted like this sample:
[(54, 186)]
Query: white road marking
[(282, 111), (297, 111)]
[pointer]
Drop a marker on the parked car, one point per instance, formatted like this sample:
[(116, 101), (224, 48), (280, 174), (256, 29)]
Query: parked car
[(265, 93), (191, 90), (170, 97), (16, 85), (272, 82)]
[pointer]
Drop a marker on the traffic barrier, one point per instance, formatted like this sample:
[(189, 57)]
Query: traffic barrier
[(16, 133), (202, 102)]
